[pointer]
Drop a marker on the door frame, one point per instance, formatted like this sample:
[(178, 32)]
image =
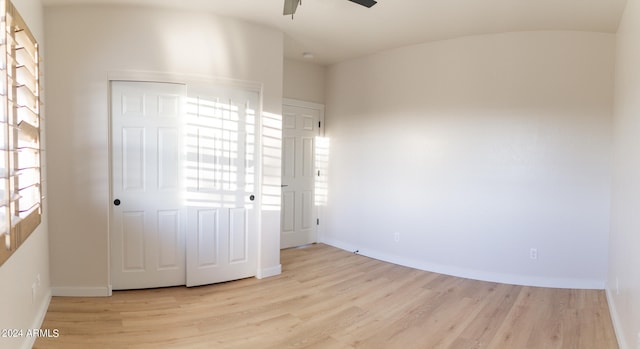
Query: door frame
[(321, 109), (186, 79)]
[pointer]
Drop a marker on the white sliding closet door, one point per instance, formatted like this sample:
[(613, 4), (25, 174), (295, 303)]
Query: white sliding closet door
[(222, 181), (184, 179), (148, 218)]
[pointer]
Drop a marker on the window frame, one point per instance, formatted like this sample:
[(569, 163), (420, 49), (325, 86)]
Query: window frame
[(20, 132)]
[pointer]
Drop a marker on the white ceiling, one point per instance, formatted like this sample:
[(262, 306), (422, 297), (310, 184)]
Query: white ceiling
[(335, 30)]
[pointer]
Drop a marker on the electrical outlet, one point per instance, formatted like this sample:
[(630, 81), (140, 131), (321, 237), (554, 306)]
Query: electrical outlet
[(533, 253), (396, 236)]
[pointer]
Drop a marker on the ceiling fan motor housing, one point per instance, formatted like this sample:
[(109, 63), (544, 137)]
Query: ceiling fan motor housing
[(290, 6)]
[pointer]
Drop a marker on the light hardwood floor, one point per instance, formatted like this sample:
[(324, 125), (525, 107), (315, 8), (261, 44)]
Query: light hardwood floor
[(328, 298)]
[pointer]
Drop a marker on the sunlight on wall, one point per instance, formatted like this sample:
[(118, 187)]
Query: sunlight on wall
[(322, 166), (272, 155)]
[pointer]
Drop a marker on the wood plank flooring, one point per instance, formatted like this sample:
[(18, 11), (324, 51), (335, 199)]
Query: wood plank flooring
[(329, 298)]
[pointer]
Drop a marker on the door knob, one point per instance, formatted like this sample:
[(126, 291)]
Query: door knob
[(252, 197), (116, 202)]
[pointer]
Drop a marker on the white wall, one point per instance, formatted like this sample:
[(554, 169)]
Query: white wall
[(304, 81), (476, 150), (623, 287), (86, 43), (19, 273)]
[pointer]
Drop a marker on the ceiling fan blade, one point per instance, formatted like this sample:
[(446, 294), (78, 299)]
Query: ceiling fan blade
[(290, 7), (366, 3)]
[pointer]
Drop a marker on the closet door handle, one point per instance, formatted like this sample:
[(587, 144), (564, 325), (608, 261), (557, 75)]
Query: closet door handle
[(116, 202)]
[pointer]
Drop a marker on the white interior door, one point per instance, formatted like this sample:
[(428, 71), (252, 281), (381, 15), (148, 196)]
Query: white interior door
[(300, 127), (222, 183), (184, 184), (148, 219)]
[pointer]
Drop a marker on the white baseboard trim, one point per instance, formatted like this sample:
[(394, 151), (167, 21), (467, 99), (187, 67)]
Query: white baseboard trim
[(81, 291), (38, 320), (268, 272), (615, 318), (502, 278)]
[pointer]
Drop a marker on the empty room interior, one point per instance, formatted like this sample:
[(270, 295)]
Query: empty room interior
[(327, 174)]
